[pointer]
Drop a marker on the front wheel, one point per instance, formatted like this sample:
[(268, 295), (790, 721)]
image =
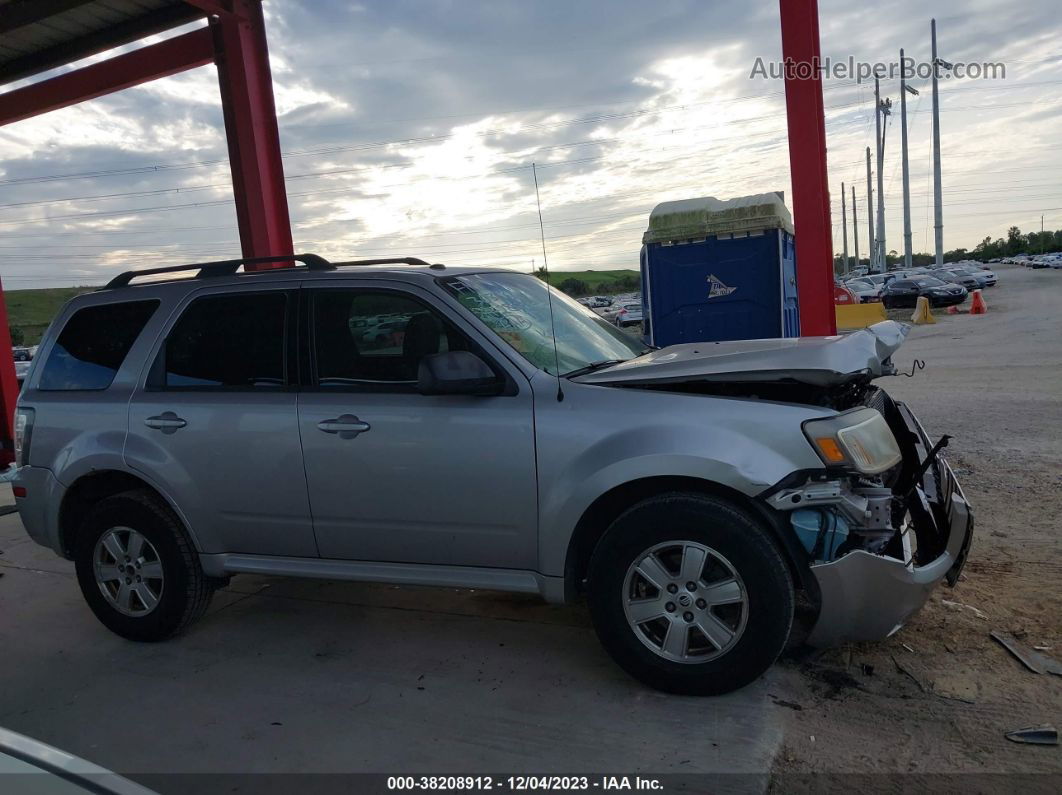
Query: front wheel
[(690, 595)]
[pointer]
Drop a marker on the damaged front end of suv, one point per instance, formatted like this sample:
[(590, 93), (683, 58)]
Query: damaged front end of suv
[(884, 524), (884, 520)]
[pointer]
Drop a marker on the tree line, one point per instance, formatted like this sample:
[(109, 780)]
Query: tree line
[(1015, 244)]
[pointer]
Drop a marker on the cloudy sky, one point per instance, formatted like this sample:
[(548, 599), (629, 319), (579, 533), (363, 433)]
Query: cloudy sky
[(409, 128)]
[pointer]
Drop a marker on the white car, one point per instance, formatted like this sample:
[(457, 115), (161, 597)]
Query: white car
[(880, 279), (27, 765), (865, 290), (628, 315)]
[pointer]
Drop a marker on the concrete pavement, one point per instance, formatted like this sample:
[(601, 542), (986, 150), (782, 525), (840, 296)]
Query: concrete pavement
[(296, 676)]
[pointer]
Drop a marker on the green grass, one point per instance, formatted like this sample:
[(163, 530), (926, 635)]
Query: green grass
[(32, 310), (600, 282)]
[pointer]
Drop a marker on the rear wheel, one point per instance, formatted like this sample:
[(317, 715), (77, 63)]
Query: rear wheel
[(137, 569), (690, 595)]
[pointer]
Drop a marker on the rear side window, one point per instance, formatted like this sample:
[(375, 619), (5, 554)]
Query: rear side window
[(93, 344), (232, 341)]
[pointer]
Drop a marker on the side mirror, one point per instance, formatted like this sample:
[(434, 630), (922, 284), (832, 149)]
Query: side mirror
[(456, 373)]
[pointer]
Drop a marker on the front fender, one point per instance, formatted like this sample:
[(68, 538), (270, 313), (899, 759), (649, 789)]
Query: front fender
[(600, 438)]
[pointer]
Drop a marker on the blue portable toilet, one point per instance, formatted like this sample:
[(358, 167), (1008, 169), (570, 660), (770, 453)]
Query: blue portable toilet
[(717, 269)]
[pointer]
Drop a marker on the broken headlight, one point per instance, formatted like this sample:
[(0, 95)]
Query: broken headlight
[(859, 439)]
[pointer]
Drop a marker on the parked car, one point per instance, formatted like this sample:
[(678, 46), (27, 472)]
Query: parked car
[(865, 290), (912, 273), (177, 432), (978, 275), (880, 279), (905, 292), (30, 766), (966, 280), (628, 315), (22, 368), (598, 301)]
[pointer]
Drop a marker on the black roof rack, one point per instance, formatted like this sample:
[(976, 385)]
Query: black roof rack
[(390, 261), (229, 267)]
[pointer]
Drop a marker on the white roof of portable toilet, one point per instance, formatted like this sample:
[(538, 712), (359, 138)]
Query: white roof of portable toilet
[(693, 219)]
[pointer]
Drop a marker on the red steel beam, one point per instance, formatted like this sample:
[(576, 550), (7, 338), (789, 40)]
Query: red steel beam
[(8, 388), (123, 71), (807, 164), (251, 129), (215, 7)]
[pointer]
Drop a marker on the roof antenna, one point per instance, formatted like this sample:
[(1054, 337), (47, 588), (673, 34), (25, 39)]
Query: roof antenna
[(549, 294)]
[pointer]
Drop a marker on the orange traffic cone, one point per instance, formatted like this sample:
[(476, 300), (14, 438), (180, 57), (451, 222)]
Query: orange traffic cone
[(953, 310), (978, 305)]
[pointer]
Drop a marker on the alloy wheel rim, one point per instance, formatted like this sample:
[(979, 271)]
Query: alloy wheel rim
[(128, 571), (685, 602)]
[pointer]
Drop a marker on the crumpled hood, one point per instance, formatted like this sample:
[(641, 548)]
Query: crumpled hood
[(819, 361)]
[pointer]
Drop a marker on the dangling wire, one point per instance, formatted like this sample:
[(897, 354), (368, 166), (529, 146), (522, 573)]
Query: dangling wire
[(549, 293)]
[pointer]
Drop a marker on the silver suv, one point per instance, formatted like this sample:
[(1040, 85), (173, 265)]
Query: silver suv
[(487, 434)]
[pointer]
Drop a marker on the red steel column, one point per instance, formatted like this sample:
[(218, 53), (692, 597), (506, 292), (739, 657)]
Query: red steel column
[(807, 164), (8, 389), (251, 129)]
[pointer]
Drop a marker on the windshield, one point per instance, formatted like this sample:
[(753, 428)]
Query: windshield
[(930, 282), (515, 306)]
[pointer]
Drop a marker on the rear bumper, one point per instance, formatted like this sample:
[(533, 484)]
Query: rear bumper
[(868, 597), (39, 508)]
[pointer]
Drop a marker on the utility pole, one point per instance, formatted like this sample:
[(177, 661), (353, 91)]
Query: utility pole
[(855, 228), (904, 88), (938, 212), (1041, 234), (844, 232), (881, 111), (872, 254)]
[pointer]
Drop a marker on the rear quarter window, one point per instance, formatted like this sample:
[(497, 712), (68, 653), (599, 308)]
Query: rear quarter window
[(93, 344)]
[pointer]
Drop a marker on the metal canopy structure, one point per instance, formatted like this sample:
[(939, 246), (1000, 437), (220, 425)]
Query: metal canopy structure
[(38, 35), (41, 35), (807, 165)]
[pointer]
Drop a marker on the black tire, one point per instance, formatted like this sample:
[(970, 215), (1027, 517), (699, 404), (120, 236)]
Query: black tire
[(185, 592), (725, 529)]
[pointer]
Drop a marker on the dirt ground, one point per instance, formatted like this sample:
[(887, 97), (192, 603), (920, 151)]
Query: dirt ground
[(938, 696)]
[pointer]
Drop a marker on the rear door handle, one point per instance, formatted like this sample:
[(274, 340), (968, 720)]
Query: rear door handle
[(346, 425), (167, 422)]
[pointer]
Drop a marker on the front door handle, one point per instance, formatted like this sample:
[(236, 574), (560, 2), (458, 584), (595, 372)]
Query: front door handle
[(167, 422), (346, 425)]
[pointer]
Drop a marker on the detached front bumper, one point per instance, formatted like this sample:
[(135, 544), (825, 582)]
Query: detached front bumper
[(869, 597)]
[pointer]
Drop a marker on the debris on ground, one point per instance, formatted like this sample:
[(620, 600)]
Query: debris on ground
[(1034, 735), (910, 673), (1033, 660), (788, 704), (961, 606)]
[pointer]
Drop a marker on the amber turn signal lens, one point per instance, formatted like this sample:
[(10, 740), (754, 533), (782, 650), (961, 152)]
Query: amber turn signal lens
[(830, 450)]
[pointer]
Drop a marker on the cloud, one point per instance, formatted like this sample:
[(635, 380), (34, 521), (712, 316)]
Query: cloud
[(410, 127)]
